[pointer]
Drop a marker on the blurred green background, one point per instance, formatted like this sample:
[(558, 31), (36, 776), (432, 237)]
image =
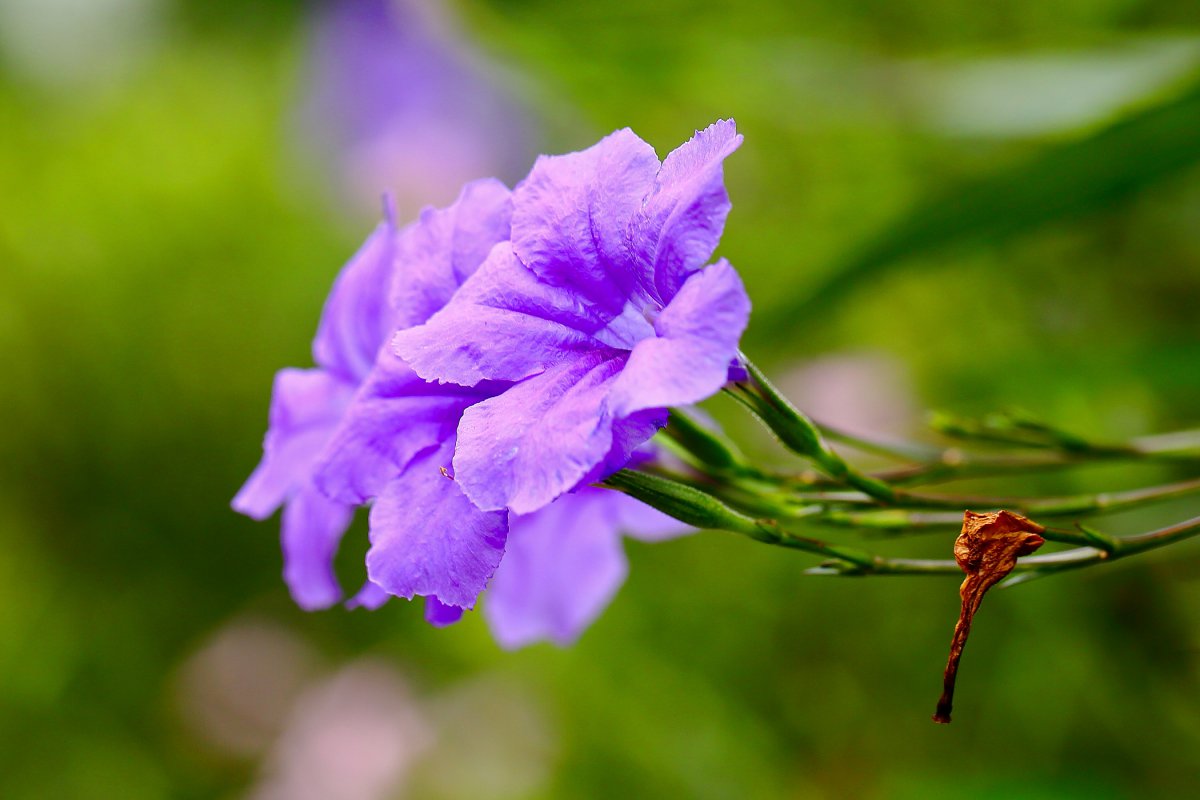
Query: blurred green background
[(1010, 194)]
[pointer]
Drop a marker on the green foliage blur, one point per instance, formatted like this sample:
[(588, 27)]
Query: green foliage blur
[(164, 248)]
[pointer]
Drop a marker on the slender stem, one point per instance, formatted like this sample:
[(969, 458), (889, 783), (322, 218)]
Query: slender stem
[(800, 435), (1110, 501), (770, 532), (1078, 537), (1050, 562), (898, 452), (1184, 444), (953, 464), (895, 519), (697, 507), (936, 464), (914, 512), (703, 448), (1069, 505), (1018, 429), (726, 492), (890, 519), (1095, 538)]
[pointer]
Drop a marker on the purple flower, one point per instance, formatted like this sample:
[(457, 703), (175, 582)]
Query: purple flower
[(394, 442), (319, 410), (597, 308), (364, 428)]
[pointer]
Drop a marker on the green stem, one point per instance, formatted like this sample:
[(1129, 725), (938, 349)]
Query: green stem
[(890, 519), (1110, 501), (1070, 505), (697, 507), (1181, 444), (898, 519), (799, 434), (1015, 428), (935, 464), (952, 464), (771, 532), (955, 465), (1018, 429), (897, 452), (702, 448), (1120, 547)]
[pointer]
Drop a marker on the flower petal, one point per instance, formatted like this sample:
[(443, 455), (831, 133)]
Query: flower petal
[(538, 439), (571, 216), (305, 407), (357, 318), (312, 529), (436, 254), (697, 337), (439, 615), (369, 597), (684, 215), (503, 324), (628, 434), (394, 416), (427, 539), (562, 567)]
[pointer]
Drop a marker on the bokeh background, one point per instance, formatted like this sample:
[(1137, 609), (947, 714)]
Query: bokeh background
[(949, 205)]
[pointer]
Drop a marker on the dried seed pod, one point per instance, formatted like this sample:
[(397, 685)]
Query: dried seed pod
[(987, 550)]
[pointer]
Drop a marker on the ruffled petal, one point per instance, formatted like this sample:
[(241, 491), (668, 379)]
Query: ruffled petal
[(305, 408), (697, 337), (684, 215), (562, 567), (628, 434), (357, 318), (312, 530), (439, 615), (537, 440), (428, 539), (394, 416), (504, 324), (444, 247), (572, 214), (369, 597)]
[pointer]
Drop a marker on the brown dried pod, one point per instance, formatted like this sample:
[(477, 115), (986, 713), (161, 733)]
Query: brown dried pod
[(987, 550)]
